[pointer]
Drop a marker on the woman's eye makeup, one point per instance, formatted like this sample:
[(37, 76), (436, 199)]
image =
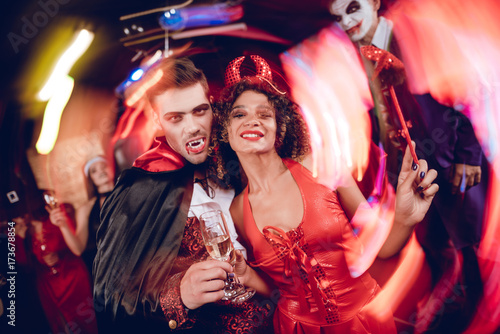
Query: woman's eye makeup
[(237, 113), (265, 112), (261, 112)]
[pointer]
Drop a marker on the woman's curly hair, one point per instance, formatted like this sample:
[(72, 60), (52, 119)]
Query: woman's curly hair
[(292, 139)]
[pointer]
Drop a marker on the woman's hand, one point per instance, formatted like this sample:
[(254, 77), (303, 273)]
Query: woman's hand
[(75, 238), (50, 259), (240, 266), (57, 216), (250, 278), (413, 198), (415, 190)]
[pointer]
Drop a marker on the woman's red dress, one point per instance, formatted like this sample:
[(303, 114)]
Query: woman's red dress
[(64, 288), (317, 292)]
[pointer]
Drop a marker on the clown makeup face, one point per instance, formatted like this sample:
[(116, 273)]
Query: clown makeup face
[(358, 18)]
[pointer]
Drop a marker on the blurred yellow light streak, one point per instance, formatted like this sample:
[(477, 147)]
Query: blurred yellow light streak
[(53, 113), (64, 64)]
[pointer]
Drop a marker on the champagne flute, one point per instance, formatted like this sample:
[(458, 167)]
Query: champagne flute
[(220, 247), (50, 199)]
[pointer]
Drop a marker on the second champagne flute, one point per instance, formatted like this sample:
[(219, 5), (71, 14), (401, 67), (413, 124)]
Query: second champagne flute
[(218, 243)]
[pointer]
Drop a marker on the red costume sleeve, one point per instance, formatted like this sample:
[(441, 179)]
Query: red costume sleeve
[(172, 306)]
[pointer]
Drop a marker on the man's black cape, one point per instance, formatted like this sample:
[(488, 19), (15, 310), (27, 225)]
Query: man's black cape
[(142, 225)]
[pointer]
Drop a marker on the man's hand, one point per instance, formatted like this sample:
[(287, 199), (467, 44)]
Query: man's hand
[(466, 174), (203, 283)]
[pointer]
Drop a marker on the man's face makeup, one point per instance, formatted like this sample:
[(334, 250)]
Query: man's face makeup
[(356, 17), (185, 117)]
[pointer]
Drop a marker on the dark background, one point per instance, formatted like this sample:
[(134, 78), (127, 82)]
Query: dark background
[(108, 60), (35, 32)]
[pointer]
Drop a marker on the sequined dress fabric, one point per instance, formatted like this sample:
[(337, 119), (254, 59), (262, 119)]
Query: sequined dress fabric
[(307, 263)]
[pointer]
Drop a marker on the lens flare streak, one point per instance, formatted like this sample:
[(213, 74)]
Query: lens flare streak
[(451, 51), (329, 83)]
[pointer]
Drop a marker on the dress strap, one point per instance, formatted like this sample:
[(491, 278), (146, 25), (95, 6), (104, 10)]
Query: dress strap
[(249, 221)]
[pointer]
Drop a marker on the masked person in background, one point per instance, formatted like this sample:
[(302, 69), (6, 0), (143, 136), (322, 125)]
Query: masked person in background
[(446, 139), (100, 182)]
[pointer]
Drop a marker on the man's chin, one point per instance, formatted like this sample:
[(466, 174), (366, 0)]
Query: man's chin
[(197, 159), (356, 37)]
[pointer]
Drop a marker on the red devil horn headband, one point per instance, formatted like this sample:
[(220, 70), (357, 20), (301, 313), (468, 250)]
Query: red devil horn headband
[(263, 69), (233, 74)]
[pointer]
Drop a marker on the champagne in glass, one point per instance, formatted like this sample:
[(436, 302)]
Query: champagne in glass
[(219, 247), (218, 243)]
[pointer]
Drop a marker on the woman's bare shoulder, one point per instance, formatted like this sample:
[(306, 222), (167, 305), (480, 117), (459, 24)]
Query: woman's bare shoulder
[(307, 162), (84, 210)]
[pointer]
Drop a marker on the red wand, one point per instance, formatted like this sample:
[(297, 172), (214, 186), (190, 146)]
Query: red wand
[(390, 68)]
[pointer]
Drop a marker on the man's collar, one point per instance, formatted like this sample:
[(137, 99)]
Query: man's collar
[(383, 34), (161, 158)]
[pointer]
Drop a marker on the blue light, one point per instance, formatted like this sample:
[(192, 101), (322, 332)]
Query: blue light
[(199, 16), (137, 74), (173, 20)]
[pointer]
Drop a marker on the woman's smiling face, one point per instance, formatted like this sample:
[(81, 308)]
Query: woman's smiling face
[(252, 124)]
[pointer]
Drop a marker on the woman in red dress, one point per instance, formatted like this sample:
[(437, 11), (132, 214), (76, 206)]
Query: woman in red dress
[(62, 279), (297, 231)]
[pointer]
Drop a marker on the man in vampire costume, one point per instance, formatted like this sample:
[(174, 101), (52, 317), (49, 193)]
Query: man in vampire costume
[(152, 273), (451, 232)]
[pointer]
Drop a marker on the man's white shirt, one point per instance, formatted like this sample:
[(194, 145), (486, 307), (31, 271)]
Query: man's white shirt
[(201, 202), (383, 34)]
